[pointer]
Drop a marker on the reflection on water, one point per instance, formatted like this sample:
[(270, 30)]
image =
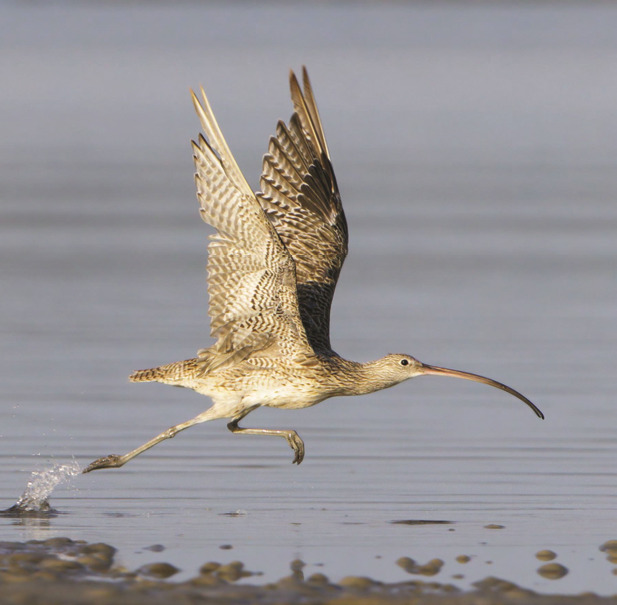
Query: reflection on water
[(475, 150)]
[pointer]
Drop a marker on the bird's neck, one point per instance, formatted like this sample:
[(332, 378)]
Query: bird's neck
[(361, 378)]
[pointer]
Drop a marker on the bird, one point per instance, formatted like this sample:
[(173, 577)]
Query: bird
[(273, 265)]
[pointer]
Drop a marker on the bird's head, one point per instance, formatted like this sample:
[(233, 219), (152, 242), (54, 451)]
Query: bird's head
[(398, 367)]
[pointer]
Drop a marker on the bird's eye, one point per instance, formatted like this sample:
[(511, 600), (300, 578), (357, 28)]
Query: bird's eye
[(404, 362)]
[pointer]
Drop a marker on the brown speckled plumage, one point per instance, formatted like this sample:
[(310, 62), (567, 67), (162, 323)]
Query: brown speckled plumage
[(171, 373), (273, 265)]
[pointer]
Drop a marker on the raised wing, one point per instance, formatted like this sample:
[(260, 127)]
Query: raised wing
[(251, 276), (301, 198)]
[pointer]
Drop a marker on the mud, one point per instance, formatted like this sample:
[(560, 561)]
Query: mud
[(67, 572)]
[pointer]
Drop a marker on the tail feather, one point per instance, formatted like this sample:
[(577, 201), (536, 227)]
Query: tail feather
[(172, 373)]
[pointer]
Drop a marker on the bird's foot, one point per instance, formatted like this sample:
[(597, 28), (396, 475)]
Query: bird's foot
[(297, 445), (111, 461)]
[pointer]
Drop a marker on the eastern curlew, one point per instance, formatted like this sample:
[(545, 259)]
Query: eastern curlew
[(273, 264)]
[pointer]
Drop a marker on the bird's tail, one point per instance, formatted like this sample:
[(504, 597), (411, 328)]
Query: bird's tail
[(172, 373)]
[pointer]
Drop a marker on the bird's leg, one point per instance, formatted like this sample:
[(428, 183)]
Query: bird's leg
[(294, 440), (115, 461)]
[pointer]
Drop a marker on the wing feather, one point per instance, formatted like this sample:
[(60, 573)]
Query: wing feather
[(300, 196), (251, 275)]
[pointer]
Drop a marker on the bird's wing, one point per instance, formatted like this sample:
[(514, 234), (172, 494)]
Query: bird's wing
[(251, 275), (301, 198)]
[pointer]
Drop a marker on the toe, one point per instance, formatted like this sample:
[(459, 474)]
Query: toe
[(105, 462)]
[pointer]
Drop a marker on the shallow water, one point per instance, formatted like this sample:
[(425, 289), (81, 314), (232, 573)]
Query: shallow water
[(475, 149)]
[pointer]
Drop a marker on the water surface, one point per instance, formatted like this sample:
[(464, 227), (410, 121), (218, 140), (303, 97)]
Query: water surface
[(475, 148)]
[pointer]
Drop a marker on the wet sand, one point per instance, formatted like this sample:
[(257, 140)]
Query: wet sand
[(65, 571)]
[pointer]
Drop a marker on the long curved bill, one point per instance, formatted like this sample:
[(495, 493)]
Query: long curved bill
[(437, 371)]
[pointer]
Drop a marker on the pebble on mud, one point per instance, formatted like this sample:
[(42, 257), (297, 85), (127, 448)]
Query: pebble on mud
[(297, 565), (463, 559), (318, 578), (99, 549), (358, 582), (98, 557), (431, 568), (409, 565), (208, 568), (209, 580), (496, 585), (546, 555), (60, 566), (231, 572), (494, 526), (158, 570), (610, 548), (552, 571)]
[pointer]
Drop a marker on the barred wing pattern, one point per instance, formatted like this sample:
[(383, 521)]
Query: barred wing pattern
[(301, 198), (251, 276)]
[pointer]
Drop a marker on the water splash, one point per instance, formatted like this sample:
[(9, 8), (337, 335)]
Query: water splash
[(35, 498)]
